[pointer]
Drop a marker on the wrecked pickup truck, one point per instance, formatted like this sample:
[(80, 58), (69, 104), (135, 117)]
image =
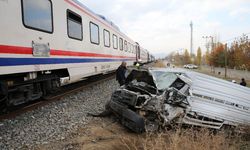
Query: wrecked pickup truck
[(155, 98)]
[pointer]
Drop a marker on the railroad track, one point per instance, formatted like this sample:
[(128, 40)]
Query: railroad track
[(64, 91)]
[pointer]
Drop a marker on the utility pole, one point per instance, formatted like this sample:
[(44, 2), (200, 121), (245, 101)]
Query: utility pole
[(212, 48), (208, 42), (212, 40)]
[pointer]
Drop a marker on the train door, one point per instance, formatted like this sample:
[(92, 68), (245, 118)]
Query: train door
[(37, 15), (148, 57)]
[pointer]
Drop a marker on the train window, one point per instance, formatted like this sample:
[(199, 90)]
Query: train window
[(106, 35), (121, 44), (115, 42), (74, 22), (38, 15), (128, 47), (125, 46), (94, 33), (131, 48)]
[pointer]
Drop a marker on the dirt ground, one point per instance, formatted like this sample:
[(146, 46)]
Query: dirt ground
[(108, 134), (105, 133)]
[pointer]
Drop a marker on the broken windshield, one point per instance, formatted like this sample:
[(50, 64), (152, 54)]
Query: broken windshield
[(163, 79)]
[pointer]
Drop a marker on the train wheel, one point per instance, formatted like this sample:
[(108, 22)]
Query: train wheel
[(51, 86), (3, 95), (24, 93)]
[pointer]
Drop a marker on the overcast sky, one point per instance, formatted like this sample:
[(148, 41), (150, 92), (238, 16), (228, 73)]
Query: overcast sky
[(162, 26)]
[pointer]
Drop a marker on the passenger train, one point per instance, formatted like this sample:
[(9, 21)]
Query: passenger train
[(47, 43)]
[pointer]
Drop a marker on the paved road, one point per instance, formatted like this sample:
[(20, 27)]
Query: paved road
[(231, 73)]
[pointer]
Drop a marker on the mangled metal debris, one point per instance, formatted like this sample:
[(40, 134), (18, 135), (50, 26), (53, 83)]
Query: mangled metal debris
[(156, 98)]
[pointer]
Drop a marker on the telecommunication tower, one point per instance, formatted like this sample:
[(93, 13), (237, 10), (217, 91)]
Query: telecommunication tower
[(191, 42)]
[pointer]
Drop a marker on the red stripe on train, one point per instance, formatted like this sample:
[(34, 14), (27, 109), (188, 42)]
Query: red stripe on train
[(28, 50), (15, 50)]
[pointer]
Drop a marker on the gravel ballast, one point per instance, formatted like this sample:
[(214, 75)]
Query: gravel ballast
[(55, 121)]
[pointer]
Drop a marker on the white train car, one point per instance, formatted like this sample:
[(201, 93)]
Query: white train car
[(45, 41), (142, 55)]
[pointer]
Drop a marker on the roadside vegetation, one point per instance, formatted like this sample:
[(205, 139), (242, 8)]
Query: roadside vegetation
[(235, 55), (106, 134), (188, 139)]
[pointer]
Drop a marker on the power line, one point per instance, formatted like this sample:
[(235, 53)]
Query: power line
[(234, 38)]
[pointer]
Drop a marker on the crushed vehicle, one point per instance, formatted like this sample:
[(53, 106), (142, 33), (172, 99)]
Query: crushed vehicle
[(155, 98)]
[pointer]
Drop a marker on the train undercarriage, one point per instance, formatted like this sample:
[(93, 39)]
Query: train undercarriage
[(18, 89)]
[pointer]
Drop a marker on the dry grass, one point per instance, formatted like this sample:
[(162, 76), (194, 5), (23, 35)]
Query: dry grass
[(186, 139), (106, 134), (159, 64)]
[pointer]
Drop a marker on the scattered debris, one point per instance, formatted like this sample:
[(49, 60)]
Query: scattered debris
[(156, 98)]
